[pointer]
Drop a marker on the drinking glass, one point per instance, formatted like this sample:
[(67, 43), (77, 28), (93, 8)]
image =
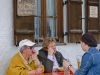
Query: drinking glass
[(78, 58)]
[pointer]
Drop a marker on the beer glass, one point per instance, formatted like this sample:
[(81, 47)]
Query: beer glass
[(78, 58)]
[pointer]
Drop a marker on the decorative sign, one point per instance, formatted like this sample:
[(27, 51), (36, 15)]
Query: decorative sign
[(94, 11), (26, 7)]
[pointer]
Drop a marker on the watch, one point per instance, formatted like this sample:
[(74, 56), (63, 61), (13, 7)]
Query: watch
[(69, 66)]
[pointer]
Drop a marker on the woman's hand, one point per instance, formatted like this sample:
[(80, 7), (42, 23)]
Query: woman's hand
[(51, 51)]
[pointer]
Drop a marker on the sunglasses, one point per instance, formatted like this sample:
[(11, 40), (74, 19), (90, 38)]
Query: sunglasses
[(31, 47)]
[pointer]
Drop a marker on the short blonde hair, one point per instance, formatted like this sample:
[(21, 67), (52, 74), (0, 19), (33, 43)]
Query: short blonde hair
[(47, 41)]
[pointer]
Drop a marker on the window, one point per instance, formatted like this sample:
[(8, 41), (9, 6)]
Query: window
[(45, 21)]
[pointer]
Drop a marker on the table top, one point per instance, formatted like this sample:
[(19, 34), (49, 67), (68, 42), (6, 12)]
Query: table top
[(55, 73)]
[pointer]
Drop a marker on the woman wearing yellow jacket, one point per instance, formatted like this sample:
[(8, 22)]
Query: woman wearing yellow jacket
[(25, 62)]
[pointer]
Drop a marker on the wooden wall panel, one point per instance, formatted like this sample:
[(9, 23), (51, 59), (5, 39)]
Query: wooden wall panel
[(74, 20), (23, 26), (60, 20), (43, 18), (93, 24)]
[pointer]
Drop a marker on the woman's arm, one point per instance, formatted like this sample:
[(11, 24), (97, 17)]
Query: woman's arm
[(86, 63)]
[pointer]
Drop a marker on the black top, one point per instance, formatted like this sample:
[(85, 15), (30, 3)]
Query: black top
[(48, 64)]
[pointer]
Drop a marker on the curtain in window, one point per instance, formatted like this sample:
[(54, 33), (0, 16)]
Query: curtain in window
[(51, 18), (37, 21)]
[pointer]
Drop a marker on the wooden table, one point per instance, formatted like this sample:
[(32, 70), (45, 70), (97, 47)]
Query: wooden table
[(55, 73)]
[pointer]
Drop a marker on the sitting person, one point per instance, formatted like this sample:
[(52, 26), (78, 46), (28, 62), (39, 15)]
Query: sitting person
[(90, 64), (50, 57), (25, 62)]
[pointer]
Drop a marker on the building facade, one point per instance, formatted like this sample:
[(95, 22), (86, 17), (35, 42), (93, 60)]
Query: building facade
[(64, 20)]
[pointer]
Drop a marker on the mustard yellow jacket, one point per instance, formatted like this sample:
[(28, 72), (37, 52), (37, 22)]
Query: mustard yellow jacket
[(18, 66)]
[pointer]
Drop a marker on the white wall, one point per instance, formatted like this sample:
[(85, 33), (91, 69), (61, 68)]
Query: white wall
[(7, 49), (6, 32), (6, 23)]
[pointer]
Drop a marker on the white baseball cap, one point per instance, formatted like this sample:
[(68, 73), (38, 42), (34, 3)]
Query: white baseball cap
[(26, 42)]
